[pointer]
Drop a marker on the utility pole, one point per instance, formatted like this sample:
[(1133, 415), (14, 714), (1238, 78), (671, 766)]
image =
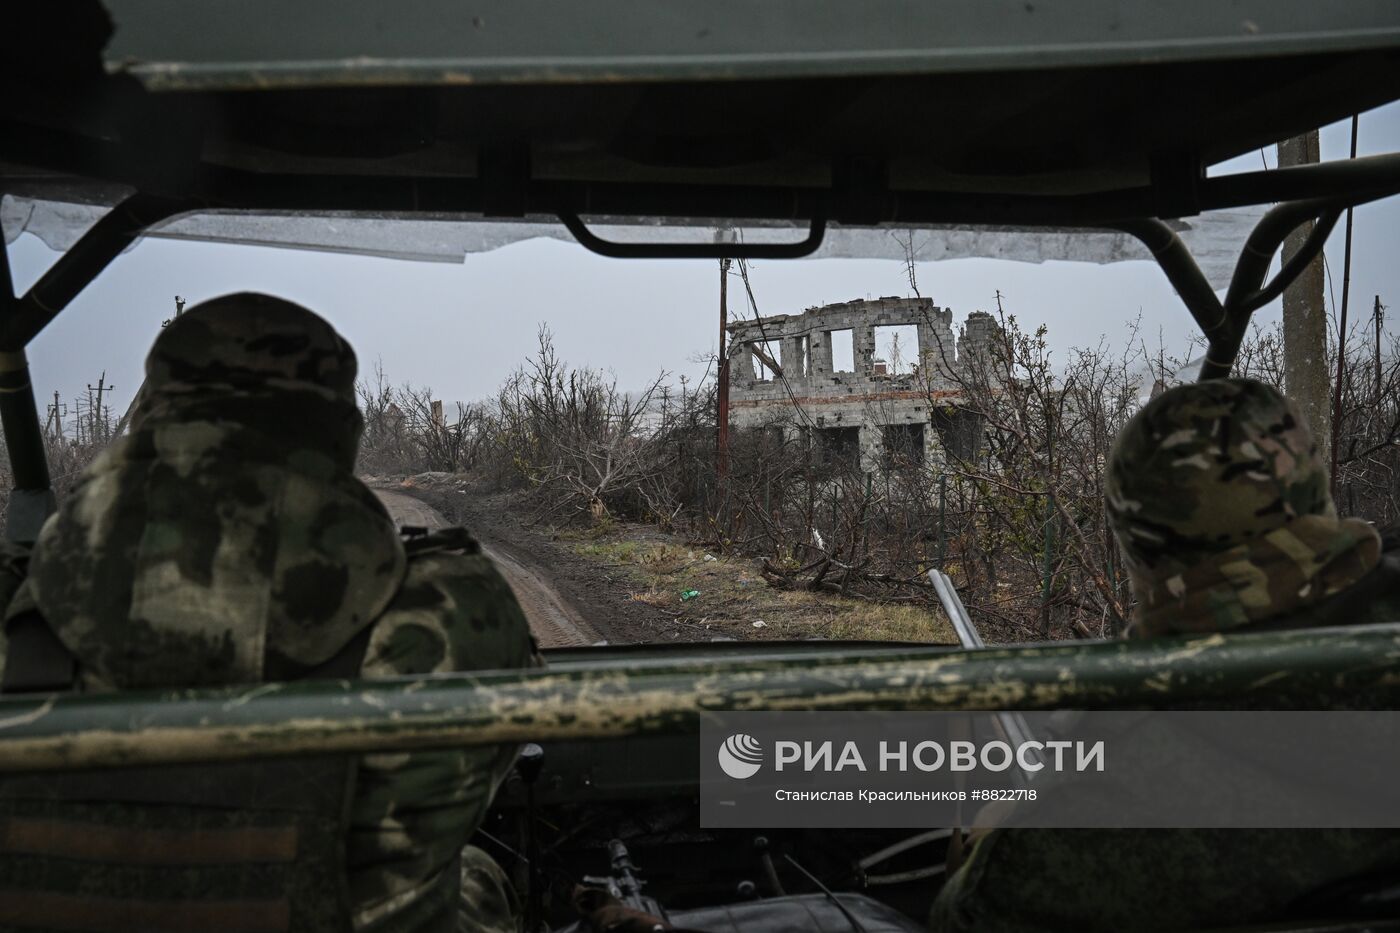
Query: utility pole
[(723, 235), (59, 410), (131, 406), (95, 419), (722, 389), (1305, 316), (179, 310), (1378, 312)]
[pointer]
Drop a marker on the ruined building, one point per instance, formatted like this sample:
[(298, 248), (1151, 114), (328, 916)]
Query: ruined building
[(830, 371)]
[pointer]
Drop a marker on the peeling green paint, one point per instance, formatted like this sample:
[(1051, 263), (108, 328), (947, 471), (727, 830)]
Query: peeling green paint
[(1310, 669)]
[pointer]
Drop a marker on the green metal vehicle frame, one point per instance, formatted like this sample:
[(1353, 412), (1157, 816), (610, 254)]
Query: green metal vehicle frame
[(601, 699), (159, 77)]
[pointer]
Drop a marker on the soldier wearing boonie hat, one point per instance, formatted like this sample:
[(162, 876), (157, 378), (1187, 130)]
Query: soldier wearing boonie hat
[(225, 540)]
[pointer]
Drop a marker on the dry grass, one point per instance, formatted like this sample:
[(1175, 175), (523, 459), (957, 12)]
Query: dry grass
[(733, 596)]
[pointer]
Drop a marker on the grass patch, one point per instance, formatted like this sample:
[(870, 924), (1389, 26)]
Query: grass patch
[(733, 596), (613, 552), (892, 622)]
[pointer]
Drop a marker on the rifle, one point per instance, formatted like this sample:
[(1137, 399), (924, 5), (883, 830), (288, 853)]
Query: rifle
[(616, 902)]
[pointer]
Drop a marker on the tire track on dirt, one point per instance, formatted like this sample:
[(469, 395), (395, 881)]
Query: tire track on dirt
[(554, 622)]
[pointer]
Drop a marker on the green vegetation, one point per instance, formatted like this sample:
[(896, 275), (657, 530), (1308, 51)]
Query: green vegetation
[(734, 596)]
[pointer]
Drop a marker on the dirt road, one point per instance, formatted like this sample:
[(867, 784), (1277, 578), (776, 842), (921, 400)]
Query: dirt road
[(555, 623)]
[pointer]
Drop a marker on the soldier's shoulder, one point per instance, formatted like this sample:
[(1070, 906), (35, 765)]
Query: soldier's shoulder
[(1374, 599), (454, 611), (448, 564), (450, 560)]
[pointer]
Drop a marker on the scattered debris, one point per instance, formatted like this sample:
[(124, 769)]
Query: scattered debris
[(760, 624), (709, 557), (687, 595)]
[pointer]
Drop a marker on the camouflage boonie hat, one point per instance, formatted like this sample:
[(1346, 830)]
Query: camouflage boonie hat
[(252, 359), (225, 538), (1219, 485), (249, 339)]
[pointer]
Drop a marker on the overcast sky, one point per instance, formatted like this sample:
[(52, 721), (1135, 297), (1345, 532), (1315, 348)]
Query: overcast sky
[(462, 328)]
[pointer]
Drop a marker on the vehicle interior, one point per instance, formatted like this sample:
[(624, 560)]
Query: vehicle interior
[(1014, 116)]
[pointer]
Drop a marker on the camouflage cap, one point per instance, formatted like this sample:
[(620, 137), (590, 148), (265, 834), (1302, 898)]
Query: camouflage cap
[(1206, 466), (1220, 503)]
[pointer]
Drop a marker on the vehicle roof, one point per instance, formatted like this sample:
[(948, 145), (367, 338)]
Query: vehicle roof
[(259, 44), (956, 111)]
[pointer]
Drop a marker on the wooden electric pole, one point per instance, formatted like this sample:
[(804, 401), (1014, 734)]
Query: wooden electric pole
[(1305, 317)]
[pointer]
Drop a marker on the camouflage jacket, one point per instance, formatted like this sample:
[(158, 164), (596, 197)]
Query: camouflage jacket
[(1374, 599), (193, 553), (1019, 880), (412, 813), (1110, 880), (1302, 570)]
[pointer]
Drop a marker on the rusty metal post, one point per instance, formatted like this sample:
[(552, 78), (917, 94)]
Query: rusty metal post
[(722, 390), (725, 235)]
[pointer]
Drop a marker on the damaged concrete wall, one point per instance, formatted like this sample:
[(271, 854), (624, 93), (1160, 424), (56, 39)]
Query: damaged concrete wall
[(864, 397)]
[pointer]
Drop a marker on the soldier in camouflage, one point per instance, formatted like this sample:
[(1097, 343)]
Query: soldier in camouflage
[(226, 540), (1220, 504)]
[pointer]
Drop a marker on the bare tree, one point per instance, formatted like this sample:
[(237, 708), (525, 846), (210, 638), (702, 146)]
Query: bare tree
[(573, 436)]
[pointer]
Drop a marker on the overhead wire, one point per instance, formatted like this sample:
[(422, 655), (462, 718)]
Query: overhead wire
[(763, 332)]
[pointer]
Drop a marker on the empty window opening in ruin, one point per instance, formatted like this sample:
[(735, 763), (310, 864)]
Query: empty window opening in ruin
[(839, 446), (904, 444), (960, 432), (767, 359), (897, 347), (843, 350)]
